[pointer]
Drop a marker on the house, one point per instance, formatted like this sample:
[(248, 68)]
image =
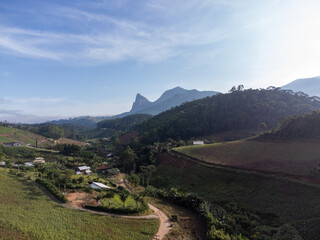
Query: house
[(198, 142), (27, 164), (103, 169), (11, 144), (97, 185), (83, 170), (39, 160), (2, 164), (15, 165)]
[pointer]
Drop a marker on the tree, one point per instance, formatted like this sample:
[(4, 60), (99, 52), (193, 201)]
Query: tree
[(233, 89), (80, 179), (124, 196), (127, 159), (240, 88), (109, 195), (137, 198), (146, 172), (134, 179)]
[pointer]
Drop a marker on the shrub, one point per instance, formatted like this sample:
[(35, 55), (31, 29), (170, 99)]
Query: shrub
[(52, 189), (143, 207)]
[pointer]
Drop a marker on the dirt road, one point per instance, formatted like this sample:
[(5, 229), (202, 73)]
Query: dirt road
[(165, 223)]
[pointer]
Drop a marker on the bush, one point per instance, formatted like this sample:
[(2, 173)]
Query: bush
[(52, 189), (142, 208)]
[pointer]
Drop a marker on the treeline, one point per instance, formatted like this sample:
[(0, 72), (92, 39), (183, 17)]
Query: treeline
[(237, 110), (125, 123), (297, 127), (228, 222), (58, 131)]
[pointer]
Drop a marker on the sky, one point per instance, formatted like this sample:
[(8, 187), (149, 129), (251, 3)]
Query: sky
[(61, 59)]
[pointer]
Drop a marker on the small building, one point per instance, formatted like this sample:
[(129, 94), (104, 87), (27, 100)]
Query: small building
[(12, 144), (15, 165), (83, 170), (109, 155), (103, 169), (27, 164), (97, 185), (39, 160), (2, 164), (198, 142)]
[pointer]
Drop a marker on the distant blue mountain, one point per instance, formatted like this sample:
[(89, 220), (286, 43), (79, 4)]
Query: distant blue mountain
[(311, 86), (170, 98)]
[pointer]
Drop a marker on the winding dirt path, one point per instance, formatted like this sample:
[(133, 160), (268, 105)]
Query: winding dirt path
[(165, 223)]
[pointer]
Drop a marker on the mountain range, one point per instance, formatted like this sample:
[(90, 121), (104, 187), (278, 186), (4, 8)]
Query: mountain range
[(311, 86), (169, 99)]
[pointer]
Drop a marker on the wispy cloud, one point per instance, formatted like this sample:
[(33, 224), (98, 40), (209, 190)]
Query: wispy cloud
[(100, 37)]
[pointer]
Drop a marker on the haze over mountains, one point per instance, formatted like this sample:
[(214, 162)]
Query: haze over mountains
[(311, 86), (170, 98)]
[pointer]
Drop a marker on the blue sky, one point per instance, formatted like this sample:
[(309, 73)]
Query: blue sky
[(72, 58)]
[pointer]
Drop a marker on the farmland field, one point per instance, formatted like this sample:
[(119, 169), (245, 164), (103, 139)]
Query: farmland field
[(27, 214), (294, 202), (24, 137), (292, 158)]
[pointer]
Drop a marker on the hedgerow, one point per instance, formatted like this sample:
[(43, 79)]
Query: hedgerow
[(52, 189)]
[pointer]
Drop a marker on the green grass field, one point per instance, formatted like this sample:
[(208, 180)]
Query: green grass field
[(296, 158), (24, 137), (27, 214), (296, 203)]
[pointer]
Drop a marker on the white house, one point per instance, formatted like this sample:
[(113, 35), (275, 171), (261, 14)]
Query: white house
[(83, 170), (2, 164), (198, 142), (39, 160), (97, 185), (12, 144), (27, 164)]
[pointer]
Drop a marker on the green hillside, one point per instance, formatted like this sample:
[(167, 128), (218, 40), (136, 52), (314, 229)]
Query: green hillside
[(304, 126), (8, 134), (31, 215), (294, 202), (238, 110), (296, 158)]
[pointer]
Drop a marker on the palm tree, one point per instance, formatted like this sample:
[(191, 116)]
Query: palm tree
[(123, 196), (109, 195)]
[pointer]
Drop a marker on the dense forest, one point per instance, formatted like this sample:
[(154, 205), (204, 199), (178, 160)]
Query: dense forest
[(237, 110), (125, 123), (297, 127)]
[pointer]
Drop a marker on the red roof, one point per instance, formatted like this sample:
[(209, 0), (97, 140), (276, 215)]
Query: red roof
[(103, 167)]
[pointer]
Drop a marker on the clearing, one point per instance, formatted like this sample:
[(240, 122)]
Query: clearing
[(8, 134)]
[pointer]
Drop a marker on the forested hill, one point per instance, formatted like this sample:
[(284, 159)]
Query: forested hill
[(125, 123), (304, 126), (226, 112)]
